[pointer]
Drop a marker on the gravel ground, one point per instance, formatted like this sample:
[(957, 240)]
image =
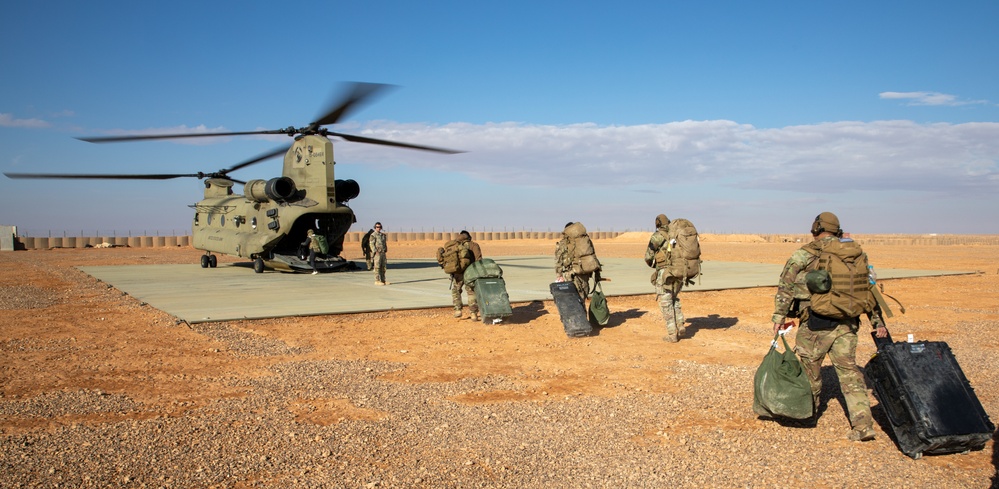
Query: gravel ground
[(99, 390)]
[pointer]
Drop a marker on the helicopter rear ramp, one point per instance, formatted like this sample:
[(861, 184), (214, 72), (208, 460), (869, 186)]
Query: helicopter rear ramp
[(234, 291)]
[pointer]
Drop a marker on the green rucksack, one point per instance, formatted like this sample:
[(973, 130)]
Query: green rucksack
[(680, 254), (324, 246), (576, 248), (849, 291), (454, 256)]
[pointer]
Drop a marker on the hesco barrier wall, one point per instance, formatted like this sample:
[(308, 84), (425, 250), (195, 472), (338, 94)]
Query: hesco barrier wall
[(44, 243), (896, 239)]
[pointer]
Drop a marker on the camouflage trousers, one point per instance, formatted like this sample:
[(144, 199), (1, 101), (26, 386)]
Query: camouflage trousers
[(380, 264), (668, 293), (456, 285), (370, 262), (840, 344)]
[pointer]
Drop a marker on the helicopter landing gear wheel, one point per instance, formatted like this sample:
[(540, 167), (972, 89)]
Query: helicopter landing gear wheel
[(258, 265), (212, 261), (204, 261)]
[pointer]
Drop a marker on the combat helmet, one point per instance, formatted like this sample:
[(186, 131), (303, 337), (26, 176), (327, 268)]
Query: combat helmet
[(826, 222)]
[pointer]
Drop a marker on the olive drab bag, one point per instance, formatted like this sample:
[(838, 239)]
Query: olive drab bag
[(681, 253), (599, 313), (322, 243), (455, 256), (781, 386), (849, 292), (484, 268), (578, 248)]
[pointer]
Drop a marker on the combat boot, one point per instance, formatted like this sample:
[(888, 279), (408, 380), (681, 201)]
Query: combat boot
[(861, 434), (671, 334), (457, 313)]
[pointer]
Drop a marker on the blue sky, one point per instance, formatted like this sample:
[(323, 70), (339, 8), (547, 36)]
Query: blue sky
[(744, 117)]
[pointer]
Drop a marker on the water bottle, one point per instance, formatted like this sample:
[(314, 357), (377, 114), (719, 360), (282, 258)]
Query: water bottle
[(871, 274)]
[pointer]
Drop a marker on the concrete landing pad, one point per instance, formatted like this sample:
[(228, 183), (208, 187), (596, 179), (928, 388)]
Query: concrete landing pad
[(234, 291)]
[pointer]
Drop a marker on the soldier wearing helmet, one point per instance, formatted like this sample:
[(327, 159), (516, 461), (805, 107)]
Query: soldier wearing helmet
[(667, 286), (820, 335)]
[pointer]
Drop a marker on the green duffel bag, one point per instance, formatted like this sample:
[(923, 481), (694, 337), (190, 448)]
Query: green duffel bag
[(484, 268), (781, 387), (599, 312)]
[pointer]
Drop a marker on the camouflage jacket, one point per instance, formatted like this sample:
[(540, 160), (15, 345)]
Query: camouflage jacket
[(792, 287), (378, 243), (656, 242), (564, 256)]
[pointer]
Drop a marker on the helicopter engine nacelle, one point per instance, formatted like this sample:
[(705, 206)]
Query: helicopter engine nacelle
[(277, 189), (346, 190)]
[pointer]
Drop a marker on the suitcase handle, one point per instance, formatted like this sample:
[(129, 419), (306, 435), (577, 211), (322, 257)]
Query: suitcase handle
[(880, 343)]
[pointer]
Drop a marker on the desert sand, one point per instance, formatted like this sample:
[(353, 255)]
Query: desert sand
[(98, 389)]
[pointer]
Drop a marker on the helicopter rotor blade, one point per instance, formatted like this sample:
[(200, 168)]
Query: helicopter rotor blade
[(383, 142), (145, 137), (258, 159), (361, 92), (106, 176)]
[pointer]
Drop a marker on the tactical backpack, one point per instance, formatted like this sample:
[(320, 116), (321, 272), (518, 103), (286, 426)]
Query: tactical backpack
[(577, 247), (455, 256), (322, 243), (849, 292), (680, 254)]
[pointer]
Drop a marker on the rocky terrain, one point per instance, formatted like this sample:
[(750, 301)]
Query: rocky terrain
[(100, 390)]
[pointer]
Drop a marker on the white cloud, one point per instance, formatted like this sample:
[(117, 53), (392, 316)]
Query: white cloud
[(8, 120), (828, 157), (928, 98)]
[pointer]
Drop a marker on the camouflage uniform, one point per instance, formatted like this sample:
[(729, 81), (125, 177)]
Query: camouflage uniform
[(379, 247), (840, 343), (563, 268), (458, 281), (667, 286), (313, 245)]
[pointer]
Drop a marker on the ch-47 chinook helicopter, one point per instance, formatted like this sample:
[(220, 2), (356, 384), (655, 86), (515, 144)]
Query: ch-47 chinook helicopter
[(270, 221)]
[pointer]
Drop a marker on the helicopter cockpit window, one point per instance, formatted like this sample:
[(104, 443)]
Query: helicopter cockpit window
[(253, 222)]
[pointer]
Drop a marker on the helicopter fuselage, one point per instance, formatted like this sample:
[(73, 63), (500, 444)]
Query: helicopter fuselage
[(270, 220)]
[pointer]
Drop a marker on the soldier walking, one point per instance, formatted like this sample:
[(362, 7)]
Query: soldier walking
[(799, 293)]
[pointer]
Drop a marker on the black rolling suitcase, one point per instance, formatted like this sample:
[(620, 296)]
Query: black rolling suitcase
[(929, 402), (493, 301), (571, 309)]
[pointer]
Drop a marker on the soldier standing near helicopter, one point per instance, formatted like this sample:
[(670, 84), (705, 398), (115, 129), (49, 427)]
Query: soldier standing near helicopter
[(313, 244), (378, 243)]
